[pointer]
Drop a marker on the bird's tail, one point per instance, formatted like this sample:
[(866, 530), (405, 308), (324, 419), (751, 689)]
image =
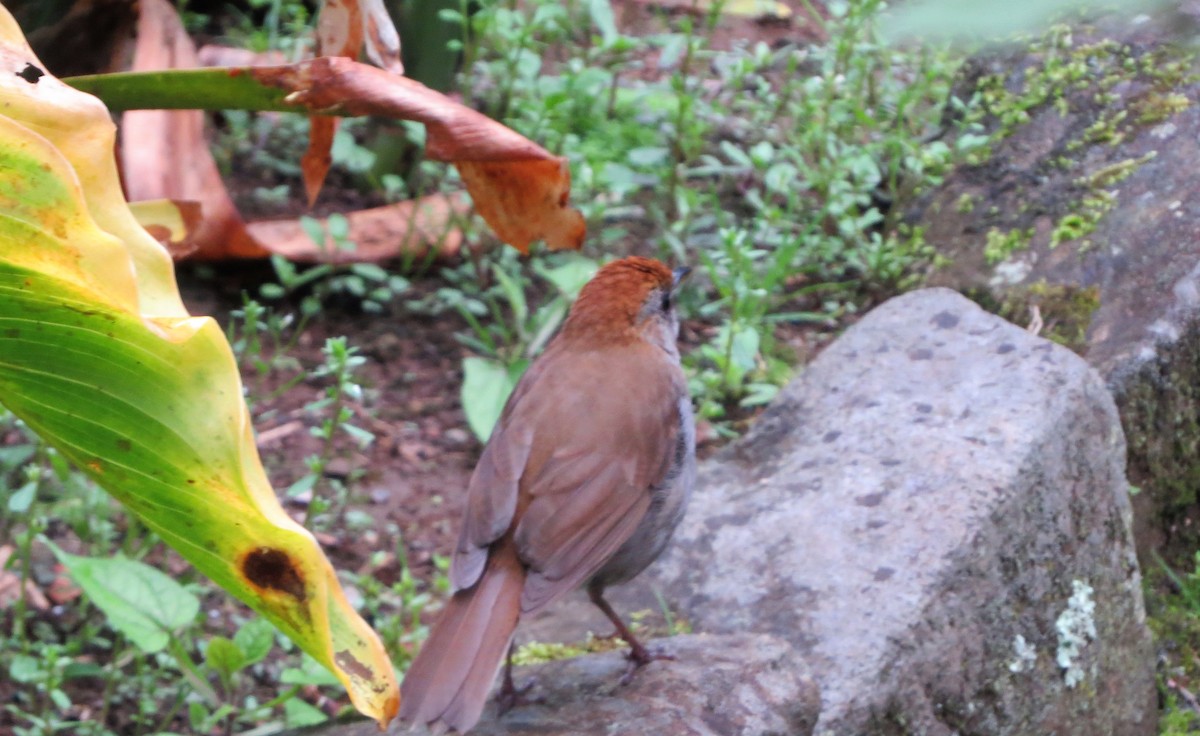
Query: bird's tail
[(448, 682)]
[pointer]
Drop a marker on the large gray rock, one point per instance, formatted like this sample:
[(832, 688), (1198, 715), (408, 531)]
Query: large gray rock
[(936, 515), (1087, 209)]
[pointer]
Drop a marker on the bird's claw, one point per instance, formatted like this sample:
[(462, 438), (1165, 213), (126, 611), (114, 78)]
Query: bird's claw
[(511, 697), (639, 656)]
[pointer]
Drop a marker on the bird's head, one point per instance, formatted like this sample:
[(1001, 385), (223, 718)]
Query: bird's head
[(629, 299)]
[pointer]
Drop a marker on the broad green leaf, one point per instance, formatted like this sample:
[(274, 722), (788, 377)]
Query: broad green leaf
[(486, 386), (298, 714), (224, 656), (255, 638), (140, 602), (604, 20), (22, 498), (570, 273), (24, 668), (100, 358), (744, 352)]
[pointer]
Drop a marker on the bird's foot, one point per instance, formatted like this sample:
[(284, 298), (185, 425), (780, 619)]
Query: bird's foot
[(510, 696), (639, 656)]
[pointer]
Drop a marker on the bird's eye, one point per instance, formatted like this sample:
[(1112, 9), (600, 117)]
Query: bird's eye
[(666, 301)]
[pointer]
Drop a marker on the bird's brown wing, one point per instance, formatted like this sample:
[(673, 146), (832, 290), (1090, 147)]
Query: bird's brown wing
[(492, 491), (572, 461), (586, 486)]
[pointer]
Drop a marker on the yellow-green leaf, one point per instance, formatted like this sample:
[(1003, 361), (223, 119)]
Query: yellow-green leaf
[(100, 358)]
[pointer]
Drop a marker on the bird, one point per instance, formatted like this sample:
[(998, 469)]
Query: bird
[(585, 477)]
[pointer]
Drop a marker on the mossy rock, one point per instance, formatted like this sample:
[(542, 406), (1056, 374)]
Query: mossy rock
[(1084, 206)]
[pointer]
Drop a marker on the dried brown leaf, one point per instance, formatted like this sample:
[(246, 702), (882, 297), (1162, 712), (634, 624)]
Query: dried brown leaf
[(339, 29), (409, 227), (382, 42), (525, 200), (318, 157), (164, 154), (496, 157)]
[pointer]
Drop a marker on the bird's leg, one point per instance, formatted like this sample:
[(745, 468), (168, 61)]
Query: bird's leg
[(510, 696), (639, 655)]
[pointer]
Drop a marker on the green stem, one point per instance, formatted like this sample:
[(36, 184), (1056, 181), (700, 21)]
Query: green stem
[(216, 88), (191, 672)]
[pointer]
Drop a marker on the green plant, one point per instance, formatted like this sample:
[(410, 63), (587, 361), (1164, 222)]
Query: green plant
[(516, 333), (365, 285), (778, 176), (741, 350), (395, 610), (261, 338), (136, 631), (271, 25), (334, 409)]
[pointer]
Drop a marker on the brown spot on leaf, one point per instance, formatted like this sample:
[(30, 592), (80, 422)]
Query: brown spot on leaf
[(273, 569), (347, 662), (124, 445)]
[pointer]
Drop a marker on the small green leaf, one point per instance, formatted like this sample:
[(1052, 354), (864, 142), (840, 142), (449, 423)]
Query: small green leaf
[(604, 20), (224, 656), (140, 602), (298, 714), (23, 668), (22, 498), (255, 638), (11, 457), (197, 715), (745, 348), (76, 670), (570, 274), (60, 699), (486, 386), (308, 673)]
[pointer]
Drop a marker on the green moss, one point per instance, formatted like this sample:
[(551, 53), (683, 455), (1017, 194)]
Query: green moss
[(1173, 615), (965, 204), (1156, 108), (536, 652), (1066, 311), (1113, 173), (1162, 432), (1070, 227), (1001, 244), (1066, 67)]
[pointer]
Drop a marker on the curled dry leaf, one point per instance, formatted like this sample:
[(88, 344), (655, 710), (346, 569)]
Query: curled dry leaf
[(411, 227), (382, 42), (318, 157), (346, 26), (339, 28), (518, 187), (164, 154), (525, 200), (342, 29), (490, 156)]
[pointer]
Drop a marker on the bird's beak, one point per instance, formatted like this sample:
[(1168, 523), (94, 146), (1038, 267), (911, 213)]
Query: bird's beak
[(680, 275)]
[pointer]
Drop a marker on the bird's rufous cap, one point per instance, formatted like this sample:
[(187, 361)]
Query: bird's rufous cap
[(611, 301)]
